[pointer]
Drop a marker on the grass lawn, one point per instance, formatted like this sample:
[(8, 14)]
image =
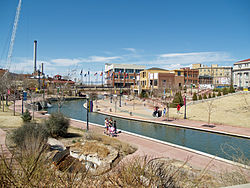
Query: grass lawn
[(229, 110)]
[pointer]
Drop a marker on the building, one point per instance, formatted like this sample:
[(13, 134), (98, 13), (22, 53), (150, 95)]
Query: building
[(191, 77), (241, 73), (159, 79), (215, 75), (122, 75)]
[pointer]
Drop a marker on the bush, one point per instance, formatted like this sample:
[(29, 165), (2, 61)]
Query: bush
[(57, 125), (194, 97), (200, 97), (28, 132), (26, 116), (225, 91), (144, 94), (177, 100), (231, 89), (219, 94), (209, 95), (204, 96), (213, 95)]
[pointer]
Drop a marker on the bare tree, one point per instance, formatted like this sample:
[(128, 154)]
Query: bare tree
[(210, 108)]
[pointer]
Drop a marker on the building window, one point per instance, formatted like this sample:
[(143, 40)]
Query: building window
[(179, 73), (129, 70), (155, 82)]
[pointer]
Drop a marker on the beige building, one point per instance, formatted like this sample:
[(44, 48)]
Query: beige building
[(159, 79), (241, 72), (216, 75)]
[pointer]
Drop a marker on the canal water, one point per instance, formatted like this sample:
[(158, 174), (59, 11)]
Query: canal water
[(227, 147)]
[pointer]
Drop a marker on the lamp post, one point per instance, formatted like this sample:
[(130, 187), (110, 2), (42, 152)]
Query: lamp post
[(120, 105), (87, 98), (185, 103)]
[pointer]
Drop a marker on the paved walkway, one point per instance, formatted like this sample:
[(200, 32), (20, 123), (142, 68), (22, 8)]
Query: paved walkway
[(156, 149)]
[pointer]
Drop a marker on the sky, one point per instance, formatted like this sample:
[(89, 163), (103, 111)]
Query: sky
[(85, 34)]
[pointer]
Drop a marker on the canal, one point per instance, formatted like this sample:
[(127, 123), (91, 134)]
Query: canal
[(228, 147)]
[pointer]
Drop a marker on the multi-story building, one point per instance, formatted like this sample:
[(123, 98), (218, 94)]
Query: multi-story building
[(241, 74), (191, 77), (215, 75), (122, 75), (158, 79)]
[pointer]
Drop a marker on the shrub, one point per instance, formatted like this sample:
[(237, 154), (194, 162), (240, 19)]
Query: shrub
[(177, 100), (231, 89), (28, 132), (144, 94), (204, 96), (213, 95), (225, 91), (26, 116), (209, 95), (57, 125), (219, 94), (194, 97), (200, 97)]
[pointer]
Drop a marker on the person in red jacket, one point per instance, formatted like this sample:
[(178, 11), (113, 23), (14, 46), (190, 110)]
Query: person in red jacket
[(178, 108)]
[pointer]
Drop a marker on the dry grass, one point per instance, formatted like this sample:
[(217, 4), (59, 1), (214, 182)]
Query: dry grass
[(122, 147), (8, 120), (92, 148), (229, 110)]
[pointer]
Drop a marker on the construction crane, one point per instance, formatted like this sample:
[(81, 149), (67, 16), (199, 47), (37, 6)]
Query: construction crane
[(13, 36)]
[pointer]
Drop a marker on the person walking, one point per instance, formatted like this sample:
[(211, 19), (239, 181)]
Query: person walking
[(115, 127), (106, 124), (164, 112), (178, 108)]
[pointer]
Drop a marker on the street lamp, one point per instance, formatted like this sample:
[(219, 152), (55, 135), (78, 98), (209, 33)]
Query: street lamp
[(185, 103), (87, 98), (120, 105)]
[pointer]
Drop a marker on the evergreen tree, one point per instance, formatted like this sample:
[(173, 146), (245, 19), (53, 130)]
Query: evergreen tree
[(200, 97), (204, 96), (225, 91), (213, 95), (209, 95), (26, 116), (231, 89), (194, 97), (219, 94), (177, 100)]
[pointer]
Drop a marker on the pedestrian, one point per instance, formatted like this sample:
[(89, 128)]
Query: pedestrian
[(110, 122), (178, 108), (106, 124), (115, 127), (164, 112)]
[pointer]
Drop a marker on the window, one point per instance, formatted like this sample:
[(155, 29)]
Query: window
[(129, 70), (155, 82), (138, 70), (131, 77), (179, 73)]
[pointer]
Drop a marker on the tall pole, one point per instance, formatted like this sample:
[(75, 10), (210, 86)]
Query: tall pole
[(35, 49), (22, 104), (185, 101), (87, 114)]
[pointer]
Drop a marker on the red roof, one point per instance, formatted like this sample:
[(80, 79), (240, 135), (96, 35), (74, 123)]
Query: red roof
[(243, 60)]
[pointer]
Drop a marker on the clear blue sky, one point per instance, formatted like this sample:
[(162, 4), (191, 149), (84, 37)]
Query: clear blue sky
[(86, 34)]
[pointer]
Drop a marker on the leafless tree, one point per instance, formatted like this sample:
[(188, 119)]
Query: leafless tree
[(210, 108)]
